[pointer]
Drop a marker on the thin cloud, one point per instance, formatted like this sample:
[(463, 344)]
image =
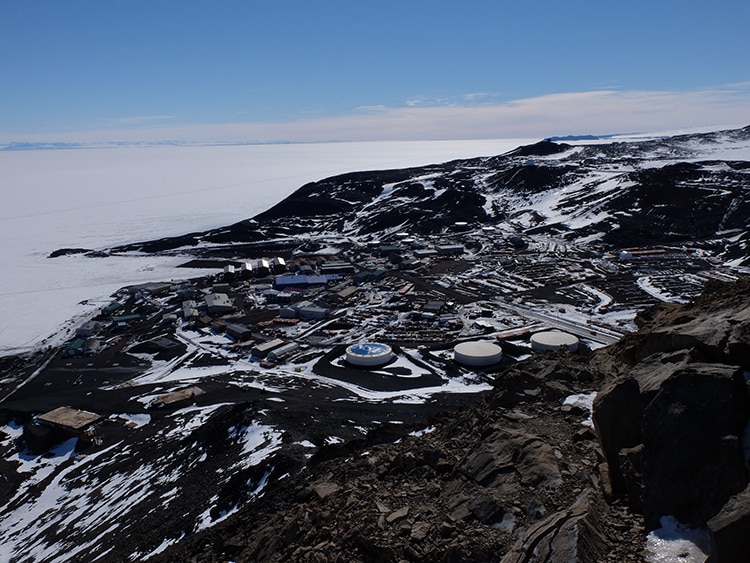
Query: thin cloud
[(371, 109), (594, 112), (139, 120), (474, 96)]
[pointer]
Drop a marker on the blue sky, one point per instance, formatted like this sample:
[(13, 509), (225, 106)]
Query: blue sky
[(335, 70)]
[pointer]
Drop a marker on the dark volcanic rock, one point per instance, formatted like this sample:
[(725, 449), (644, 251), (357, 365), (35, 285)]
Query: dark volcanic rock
[(672, 416), (730, 530), (503, 457), (692, 457), (541, 148), (67, 251), (618, 411), (477, 485), (569, 535), (717, 324), (679, 201)]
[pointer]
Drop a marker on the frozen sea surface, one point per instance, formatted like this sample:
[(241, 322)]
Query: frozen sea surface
[(96, 198)]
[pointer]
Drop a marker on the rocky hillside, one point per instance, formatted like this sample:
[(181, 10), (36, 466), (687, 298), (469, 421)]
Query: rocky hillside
[(690, 189), (522, 476)]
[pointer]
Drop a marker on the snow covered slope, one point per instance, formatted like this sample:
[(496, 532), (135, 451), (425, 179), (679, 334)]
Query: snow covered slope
[(690, 189)]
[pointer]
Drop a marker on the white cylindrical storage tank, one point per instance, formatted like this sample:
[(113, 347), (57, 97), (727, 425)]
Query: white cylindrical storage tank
[(368, 354), (554, 340), (478, 354)]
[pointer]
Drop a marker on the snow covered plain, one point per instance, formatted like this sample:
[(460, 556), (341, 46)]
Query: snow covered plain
[(100, 197)]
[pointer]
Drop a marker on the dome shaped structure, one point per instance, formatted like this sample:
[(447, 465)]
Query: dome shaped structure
[(477, 354), (368, 354), (554, 340)]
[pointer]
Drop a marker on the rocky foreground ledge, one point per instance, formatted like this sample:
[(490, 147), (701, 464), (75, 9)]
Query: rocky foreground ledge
[(523, 476)]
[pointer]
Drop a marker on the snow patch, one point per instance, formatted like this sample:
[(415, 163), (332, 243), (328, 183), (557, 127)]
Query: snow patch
[(584, 401), (676, 542)]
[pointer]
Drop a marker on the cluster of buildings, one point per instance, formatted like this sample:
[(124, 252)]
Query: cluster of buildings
[(403, 291)]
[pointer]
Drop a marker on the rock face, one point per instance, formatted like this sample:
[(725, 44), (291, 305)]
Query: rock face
[(730, 529), (568, 535), (672, 417), (692, 457)]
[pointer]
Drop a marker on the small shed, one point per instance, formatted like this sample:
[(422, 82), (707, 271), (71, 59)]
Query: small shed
[(435, 307), (262, 268), (87, 329), (450, 249), (125, 319), (282, 352), (246, 270), (337, 267), (69, 418), (218, 303), (75, 348), (278, 265), (179, 395), (425, 253), (347, 292), (261, 350), (190, 310), (312, 313), (111, 308), (239, 332)]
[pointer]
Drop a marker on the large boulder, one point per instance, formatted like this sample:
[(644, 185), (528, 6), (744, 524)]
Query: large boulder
[(617, 416), (670, 432), (692, 456), (717, 324), (507, 456), (619, 408), (572, 534), (671, 416)]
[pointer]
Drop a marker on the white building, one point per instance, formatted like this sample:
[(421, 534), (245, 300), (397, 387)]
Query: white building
[(261, 350), (190, 310), (282, 352), (218, 303)]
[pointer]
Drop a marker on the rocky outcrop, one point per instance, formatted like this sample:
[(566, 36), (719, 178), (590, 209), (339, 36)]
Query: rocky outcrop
[(568, 535), (671, 436), (514, 476), (671, 417), (730, 530), (692, 457), (506, 456), (717, 325)]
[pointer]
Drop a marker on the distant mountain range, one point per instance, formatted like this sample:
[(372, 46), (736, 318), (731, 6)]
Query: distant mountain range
[(45, 146)]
